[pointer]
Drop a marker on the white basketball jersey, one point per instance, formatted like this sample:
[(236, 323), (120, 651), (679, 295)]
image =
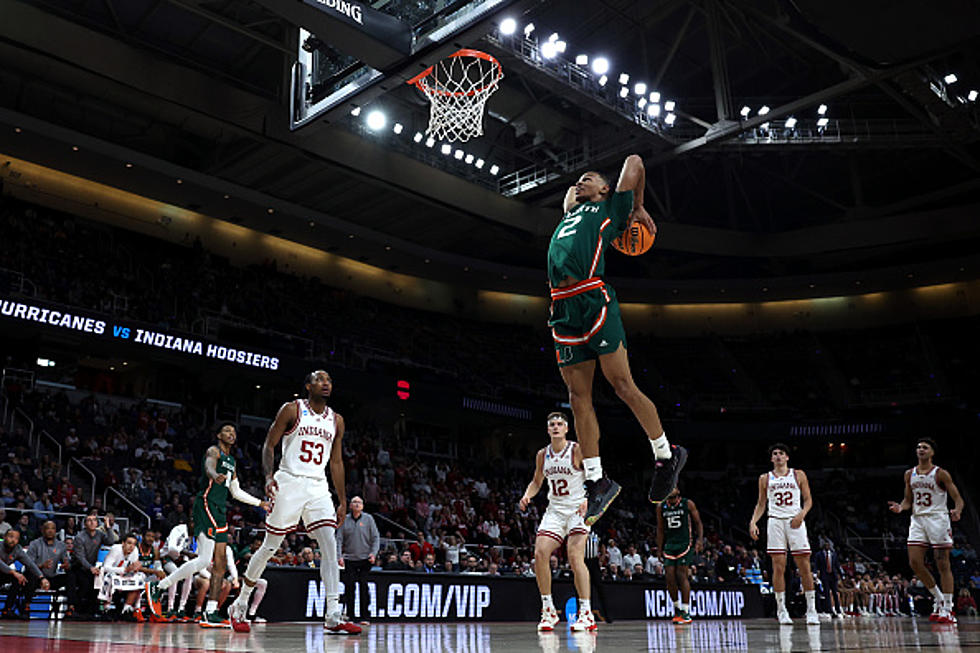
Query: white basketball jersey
[(785, 499), (306, 446), (928, 496), (566, 485)]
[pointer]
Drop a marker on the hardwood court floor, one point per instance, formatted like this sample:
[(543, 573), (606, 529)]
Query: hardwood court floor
[(894, 634)]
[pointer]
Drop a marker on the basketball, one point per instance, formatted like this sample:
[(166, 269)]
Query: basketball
[(636, 240)]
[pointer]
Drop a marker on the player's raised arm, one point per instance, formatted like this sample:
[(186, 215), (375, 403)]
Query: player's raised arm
[(634, 177), (337, 470), (698, 525), (535, 485), (946, 479), (570, 201), (760, 506), (807, 499), (287, 415), (907, 501)]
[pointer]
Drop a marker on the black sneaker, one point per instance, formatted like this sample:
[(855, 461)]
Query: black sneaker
[(665, 474), (600, 494)]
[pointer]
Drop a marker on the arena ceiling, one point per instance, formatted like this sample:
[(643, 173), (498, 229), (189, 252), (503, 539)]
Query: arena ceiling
[(197, 90)]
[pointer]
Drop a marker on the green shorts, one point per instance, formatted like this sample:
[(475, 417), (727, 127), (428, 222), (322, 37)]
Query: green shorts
[(585, 326), (210, 518), (678, 557)]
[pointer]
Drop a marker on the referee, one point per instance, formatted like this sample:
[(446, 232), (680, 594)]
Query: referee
[(595, 578), (358, 542)]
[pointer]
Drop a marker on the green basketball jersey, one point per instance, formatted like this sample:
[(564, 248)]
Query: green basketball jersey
[(677, 525), (579, 243), (212, 492)]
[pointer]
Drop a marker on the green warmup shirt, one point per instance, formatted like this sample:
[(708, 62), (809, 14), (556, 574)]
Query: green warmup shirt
[(677, 528), (578, 246)]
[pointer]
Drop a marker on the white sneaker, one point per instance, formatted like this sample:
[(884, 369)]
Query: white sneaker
[(237, 616), (585, 622), (258, 620), (812, 619), (783, 617), (548, 619)]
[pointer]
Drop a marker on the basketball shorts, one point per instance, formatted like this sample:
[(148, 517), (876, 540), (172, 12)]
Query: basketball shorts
[(586, 326), (931, 530), (678, 556), (300, 497), (210, 518), (559, 523), (782, 538)]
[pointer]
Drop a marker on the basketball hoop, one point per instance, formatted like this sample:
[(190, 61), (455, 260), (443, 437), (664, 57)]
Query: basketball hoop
[(458, 88)]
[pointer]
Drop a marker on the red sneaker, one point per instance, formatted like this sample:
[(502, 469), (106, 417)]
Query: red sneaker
[(343, 628)]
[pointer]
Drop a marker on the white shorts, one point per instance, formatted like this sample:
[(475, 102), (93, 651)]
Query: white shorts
[(781, 537), (934, 530), (300, 497), (559, 523)]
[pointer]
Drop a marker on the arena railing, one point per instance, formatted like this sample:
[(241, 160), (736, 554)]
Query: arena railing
[(133, 506), (57, 445), (78, 463)]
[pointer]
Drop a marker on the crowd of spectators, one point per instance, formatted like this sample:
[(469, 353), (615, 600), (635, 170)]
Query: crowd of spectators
[(67, 259)]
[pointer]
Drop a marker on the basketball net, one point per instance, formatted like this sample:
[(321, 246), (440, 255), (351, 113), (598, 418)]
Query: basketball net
[(458, 88)]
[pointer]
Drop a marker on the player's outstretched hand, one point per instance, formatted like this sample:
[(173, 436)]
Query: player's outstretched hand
[(341, 514), (522, 504), (753, 531), (954, 514), (895, 507), (640, 215)]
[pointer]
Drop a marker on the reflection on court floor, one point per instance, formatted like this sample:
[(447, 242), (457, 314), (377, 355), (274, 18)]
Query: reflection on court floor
[(897, 634)]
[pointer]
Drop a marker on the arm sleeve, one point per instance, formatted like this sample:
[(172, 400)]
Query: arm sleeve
[(241, 495), (620, 206), (5, 568), (375, 539), (232, 569)]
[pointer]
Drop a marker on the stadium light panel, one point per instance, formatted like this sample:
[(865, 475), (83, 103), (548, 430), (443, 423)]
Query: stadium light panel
[(494, 169), (418, 137), (972, 96), (624, 79), (376, 120), (398, 128), (670, 119), (640, 88), (582, 60), (745, 112), (669, 105), (528, 29), (624, 91), (764, 109), (508, 26), (790, 122), (548, 50), (950, 78), (479, 164), (600, 66), (603, 80), (822, 109), (447, 149)]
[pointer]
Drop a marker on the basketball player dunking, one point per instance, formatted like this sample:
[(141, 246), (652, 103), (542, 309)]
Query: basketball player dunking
[(311, 434), (927, 487), (586, 325), (559, 465), (786, 494)]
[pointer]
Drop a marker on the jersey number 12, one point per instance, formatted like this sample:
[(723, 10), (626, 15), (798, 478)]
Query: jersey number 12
[(559, 487)]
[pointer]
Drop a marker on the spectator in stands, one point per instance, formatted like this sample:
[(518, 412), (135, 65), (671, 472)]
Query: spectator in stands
[(85, 555), (4, 524), (429, 565), (420, 547), (472, 565), (965, 605), (726, 568), (25, 525), (22, 585), (615, 555), (653, 565), (307, 559), (404, 562), (110, 527), (632, 558), (51, 557)]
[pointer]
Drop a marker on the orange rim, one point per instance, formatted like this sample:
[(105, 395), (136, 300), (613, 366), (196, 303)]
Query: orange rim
[(419, 80)]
